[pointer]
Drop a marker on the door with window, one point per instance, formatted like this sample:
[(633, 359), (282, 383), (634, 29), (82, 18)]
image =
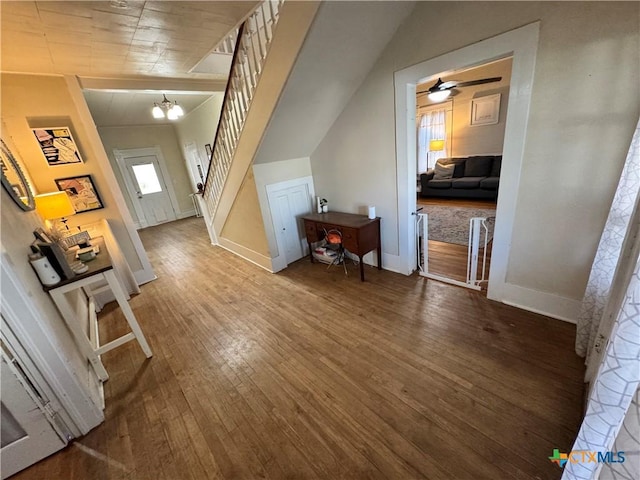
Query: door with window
[(150, 190)]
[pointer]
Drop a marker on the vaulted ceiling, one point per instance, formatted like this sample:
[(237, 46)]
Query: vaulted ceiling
[(121, 45)]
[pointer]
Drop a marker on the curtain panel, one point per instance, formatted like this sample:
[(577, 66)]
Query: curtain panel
[(613, 351)]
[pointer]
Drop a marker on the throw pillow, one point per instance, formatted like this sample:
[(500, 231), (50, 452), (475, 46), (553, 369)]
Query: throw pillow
[(443, 172)]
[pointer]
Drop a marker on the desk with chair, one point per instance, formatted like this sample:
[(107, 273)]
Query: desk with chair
[(360, 234)]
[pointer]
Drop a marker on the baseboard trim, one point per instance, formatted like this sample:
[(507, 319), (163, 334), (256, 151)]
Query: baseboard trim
[(188, 213), (544, 303), (249, 255), (144, 276)]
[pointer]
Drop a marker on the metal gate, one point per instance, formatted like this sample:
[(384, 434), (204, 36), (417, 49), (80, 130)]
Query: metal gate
[(478, 235)]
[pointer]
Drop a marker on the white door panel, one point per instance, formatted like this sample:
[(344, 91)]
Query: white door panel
[(26, 434), (287, 206)]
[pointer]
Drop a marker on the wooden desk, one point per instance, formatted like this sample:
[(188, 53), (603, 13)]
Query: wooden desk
[(75, 313), (360, 235)]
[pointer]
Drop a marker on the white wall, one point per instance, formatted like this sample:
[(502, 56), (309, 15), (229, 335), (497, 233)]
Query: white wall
[(569, 174), (332, 64), (199, 127)]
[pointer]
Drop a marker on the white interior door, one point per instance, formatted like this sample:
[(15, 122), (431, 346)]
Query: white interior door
[(150, 190), (287, 206), (26, 433)]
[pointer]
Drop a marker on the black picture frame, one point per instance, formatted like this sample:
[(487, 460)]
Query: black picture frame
[(82, 192), (57, 145), (207, 148)]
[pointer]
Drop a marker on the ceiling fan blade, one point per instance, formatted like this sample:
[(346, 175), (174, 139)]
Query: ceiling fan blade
[(480, 81), (439, 86)]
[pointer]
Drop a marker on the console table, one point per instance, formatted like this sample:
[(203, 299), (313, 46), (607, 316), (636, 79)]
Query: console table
[(76, 310), (360, 234)]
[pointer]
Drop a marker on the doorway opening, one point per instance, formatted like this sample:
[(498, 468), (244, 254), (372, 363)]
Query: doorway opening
[(521, 44), (459, 158)]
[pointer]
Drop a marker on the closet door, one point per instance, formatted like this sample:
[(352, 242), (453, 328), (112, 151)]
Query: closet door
[(287, 205)]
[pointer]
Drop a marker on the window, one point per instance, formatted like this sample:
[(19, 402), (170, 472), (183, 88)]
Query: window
[(434, 124)]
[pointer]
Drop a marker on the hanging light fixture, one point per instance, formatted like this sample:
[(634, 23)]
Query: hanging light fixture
[(172, 111)]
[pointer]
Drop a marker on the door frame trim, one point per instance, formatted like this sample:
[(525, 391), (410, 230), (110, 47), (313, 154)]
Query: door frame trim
[(121, 156), (520, 43)]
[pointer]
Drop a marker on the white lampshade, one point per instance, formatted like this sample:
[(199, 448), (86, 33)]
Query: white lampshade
[(172, 114), (439, 96), (157, 111), (178, 109)]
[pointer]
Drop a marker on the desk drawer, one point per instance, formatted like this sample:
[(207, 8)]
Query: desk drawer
[(350, 239), (325, 227), (310, 231)]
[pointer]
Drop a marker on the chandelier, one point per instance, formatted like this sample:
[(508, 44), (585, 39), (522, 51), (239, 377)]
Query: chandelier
[(167, 109)]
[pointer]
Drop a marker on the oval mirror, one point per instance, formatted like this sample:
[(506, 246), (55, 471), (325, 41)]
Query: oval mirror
[(14, 181)]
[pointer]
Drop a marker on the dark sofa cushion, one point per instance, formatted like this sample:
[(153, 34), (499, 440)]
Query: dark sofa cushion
[(439, 183), (478, 166), (466, 182), (490, 183), (496, 167)]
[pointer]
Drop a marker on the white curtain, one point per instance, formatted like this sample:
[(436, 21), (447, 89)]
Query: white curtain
[(432, 127), (612, 350)]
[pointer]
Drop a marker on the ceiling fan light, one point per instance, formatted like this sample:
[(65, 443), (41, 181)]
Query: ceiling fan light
[(157, 111), (439, 96)]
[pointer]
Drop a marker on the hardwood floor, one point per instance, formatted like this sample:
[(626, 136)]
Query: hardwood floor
[(311, 374)]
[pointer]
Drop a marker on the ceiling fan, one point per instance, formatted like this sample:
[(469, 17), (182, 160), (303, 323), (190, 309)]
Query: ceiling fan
[(441, 90)]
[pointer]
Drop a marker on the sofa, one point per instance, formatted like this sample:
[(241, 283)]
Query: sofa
[(476, 176)]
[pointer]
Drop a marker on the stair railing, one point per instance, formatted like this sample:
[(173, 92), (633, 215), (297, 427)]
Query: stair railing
[(253, 39)]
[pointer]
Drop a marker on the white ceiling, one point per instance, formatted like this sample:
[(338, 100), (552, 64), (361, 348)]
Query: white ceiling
[(122, 108), (147, 45)]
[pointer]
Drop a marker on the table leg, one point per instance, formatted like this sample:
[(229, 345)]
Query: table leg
[(121, 298), (310, 251), (361, 269), (82, 341)]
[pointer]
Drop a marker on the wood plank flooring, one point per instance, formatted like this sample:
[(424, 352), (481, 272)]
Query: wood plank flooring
[(310, 374)]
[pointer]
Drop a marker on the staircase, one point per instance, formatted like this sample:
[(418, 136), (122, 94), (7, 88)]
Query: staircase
[(252, 42), (266, 48)]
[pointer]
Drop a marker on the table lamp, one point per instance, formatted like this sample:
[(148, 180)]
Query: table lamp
[(54, 206)]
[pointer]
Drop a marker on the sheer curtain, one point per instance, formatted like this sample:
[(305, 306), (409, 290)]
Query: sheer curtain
[(613, 351), (432, 127)]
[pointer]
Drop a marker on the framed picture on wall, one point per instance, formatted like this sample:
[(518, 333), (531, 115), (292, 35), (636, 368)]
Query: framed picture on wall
[(57, 145), (82, 192), (485, 110)]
